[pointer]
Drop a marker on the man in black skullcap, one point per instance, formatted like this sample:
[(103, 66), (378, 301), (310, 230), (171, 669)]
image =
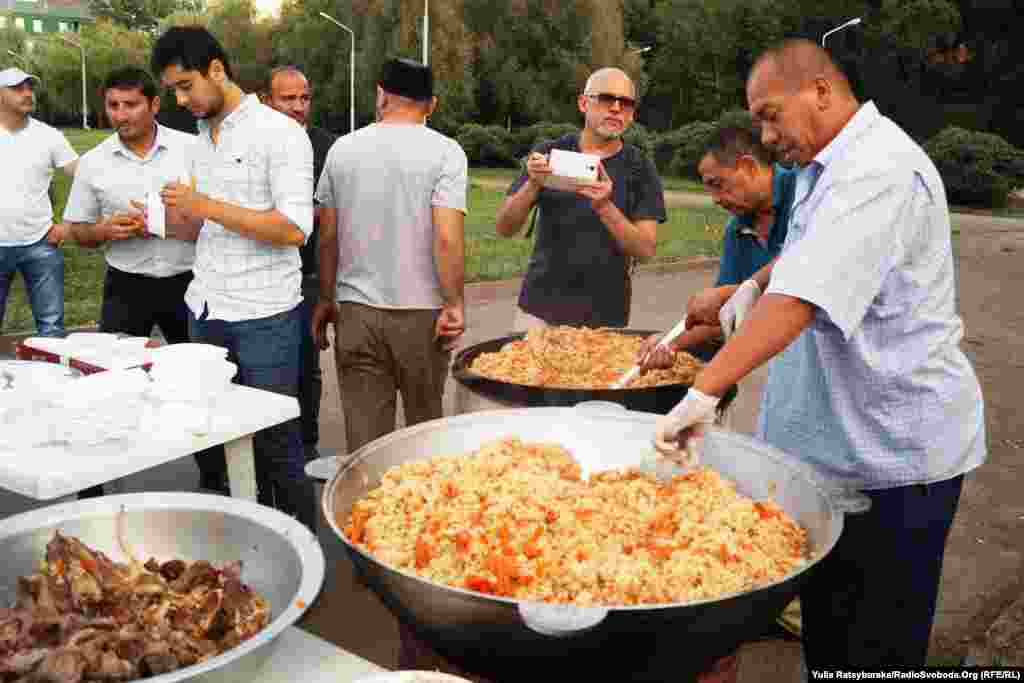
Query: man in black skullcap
[(393, 198)]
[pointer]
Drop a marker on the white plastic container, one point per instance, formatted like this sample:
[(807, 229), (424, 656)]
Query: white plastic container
[(184, 394), (189, 351)]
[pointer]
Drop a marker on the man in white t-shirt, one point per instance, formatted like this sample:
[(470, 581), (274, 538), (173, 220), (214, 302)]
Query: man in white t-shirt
[(391, 264), (29, 240), (393, 197)]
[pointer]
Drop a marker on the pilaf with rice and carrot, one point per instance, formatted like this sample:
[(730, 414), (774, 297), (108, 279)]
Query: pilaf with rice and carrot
[(517, 520)]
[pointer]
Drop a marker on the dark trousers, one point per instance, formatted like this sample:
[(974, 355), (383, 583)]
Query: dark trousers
[(310, 380), (266, 351), (133, 304), (871, 602)]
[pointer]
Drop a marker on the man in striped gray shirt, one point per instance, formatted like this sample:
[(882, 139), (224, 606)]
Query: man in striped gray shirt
[(868, 383)]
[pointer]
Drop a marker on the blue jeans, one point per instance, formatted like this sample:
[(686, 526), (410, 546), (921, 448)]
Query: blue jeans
[(42, 266), (266, 351)]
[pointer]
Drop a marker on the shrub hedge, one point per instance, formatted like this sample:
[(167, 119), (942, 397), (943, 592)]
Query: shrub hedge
[(978, 169)]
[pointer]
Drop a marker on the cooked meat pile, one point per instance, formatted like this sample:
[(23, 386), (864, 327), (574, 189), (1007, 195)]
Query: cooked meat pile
[(85, 617)]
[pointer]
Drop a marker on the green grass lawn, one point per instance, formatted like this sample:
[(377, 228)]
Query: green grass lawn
[(688, 233)]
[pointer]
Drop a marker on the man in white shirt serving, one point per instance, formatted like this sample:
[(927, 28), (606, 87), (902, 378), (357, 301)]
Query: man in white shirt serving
[(868, 383), (253, 170), (146, 278), (29, 240)]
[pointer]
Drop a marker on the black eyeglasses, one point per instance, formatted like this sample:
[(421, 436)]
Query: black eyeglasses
[(607, 100)]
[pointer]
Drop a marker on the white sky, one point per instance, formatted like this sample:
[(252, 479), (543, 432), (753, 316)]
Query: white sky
[(268, 6)]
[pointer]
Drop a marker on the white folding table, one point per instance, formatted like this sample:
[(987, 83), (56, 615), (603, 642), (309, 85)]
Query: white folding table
[(47, 472)]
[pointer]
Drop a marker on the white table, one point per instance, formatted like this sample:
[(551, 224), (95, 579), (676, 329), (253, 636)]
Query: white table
[(294, 656), (47, 472)]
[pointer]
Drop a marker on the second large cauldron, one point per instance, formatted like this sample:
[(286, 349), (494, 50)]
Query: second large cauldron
[(512, 640), (475, 391)]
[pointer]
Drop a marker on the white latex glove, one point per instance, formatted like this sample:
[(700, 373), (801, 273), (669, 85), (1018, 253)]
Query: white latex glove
[(735, 310), (693, 413)]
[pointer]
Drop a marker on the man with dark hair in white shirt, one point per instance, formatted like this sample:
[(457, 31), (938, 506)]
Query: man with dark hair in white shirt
[(253, 175), (146, 278)]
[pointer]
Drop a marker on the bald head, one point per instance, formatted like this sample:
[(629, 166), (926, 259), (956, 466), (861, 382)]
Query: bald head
[(288, 91), (799, 62), (602, 78), (800, 98)]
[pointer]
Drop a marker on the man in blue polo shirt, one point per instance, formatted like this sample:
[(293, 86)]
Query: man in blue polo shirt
[(738, 172)]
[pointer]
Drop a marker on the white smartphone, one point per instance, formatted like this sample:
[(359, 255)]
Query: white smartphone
[(571, 169)]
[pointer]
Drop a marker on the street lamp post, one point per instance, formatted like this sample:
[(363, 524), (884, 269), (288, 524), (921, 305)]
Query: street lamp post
[(426, 31), (85, 101), (848, 24), (351, 72)]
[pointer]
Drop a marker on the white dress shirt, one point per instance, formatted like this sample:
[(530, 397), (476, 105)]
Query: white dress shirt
[(876, 392), (29, 157), (110, 176), (263, 160)]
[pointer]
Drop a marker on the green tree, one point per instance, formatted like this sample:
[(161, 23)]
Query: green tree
[(142, 15), (58, 63)]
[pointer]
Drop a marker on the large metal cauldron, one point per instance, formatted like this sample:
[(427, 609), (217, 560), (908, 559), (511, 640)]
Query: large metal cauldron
[(509, 639), (280, 558), (476, 392)]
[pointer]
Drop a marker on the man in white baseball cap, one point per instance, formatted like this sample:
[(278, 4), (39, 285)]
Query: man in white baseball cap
[(29, 239), (14, 76)]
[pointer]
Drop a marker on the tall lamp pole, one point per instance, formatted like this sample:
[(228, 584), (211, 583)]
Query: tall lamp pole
[(85, 101), (426, 32), (351, 72), (848, 24)]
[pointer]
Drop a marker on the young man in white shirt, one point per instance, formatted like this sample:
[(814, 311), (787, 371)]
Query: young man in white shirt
[(253, 171), (146, 277), (29, 240)]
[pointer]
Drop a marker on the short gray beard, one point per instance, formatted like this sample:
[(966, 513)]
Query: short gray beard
[(608, 136)]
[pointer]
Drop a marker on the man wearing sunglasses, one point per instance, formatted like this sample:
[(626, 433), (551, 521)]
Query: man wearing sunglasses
[(587, 239)]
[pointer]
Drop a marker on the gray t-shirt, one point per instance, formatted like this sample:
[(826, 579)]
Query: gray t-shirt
[(384, 180)]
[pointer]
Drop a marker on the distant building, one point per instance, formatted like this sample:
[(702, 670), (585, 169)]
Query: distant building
[(36, 17)]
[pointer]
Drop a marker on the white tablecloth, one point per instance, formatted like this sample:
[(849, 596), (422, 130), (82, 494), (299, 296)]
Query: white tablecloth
[(47, 472)]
